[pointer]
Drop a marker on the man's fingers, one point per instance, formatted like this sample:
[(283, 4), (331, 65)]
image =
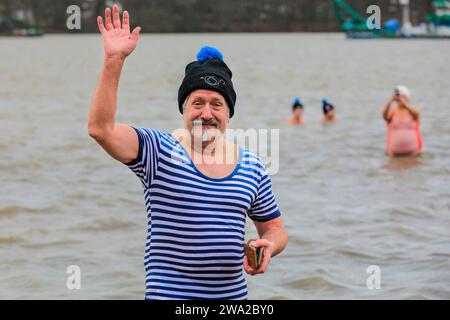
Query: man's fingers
[(247, 267), (101, 27), (116, 18), (135, 33), (108, 22), (265, 261), (260, 243), (126, 21)]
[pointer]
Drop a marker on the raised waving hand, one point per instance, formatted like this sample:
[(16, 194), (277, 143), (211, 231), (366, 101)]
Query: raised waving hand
[(118, 41)]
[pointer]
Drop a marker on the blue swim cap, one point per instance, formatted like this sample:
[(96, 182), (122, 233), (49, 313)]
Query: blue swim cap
[(327, 106)]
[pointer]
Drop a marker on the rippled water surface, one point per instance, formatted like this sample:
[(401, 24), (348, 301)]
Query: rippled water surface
[(346, 206)]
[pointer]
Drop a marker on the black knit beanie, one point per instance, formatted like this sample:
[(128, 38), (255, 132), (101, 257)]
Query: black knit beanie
[(211, 73)]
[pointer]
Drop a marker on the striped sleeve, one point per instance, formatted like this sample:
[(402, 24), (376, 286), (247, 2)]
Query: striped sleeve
[(264, 208), (146, 163)]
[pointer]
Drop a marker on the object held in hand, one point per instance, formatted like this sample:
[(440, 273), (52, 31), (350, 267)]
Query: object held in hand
[(254, 255)]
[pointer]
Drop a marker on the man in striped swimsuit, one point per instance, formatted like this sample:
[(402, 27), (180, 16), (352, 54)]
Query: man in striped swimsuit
[(196, 203)]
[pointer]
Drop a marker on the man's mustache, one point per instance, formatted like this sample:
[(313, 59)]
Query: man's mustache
[(210, 122)]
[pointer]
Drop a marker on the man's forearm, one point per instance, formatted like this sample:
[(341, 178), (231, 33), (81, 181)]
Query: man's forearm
[(278, 236), (103, 108)]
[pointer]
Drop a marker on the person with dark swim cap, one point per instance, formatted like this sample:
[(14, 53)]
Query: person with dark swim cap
[(197, 201), (329, 114), (297, 113)]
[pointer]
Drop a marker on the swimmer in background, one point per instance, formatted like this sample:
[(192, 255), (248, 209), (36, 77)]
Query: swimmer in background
[(297, 113), (329, 114), (403, 125)]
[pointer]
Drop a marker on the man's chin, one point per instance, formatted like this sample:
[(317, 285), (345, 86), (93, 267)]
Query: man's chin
[(209, 127), (205, 134), (206, 137)]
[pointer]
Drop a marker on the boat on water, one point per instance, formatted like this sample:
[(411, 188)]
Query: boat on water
[(18, 27), (434, 26)]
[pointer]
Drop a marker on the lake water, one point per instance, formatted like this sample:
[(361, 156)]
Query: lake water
[(346, 206)]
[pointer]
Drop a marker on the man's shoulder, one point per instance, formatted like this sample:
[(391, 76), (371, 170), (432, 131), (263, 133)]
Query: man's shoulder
[(156, 133), (253, 160)]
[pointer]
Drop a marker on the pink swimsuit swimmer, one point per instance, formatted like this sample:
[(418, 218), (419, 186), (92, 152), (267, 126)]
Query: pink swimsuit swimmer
[(403, 136)]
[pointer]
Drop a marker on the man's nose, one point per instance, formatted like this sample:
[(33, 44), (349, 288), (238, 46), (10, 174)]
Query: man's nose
[(206, 112)]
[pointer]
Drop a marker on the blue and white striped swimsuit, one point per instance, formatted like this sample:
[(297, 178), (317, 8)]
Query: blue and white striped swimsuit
[(195, 234)]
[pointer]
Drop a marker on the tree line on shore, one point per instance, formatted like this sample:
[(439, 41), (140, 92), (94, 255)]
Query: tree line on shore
[(206, 15)]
